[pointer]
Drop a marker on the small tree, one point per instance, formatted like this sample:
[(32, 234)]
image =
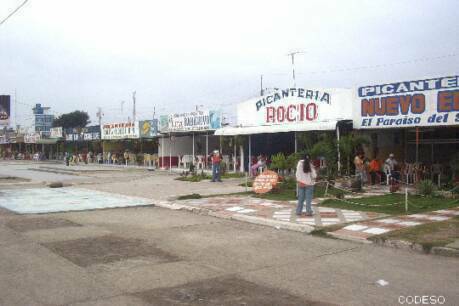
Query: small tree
[(278, 162), (327, 149), (292, 161), (348, 145)]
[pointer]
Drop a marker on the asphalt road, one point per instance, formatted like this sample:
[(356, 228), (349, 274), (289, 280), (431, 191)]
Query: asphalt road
[(155, 256)]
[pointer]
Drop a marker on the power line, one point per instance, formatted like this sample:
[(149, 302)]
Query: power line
[(13, 12)]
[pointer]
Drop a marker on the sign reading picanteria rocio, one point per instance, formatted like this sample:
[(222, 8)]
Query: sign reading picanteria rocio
[(265, 182)]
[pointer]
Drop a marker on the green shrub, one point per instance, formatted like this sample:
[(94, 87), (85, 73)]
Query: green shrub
[(425, 188), (278, 162)]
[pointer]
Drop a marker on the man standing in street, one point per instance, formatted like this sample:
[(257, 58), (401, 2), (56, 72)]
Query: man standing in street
[(216, 160)]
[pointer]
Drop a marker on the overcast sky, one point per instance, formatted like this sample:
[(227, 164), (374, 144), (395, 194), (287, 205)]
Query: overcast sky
[(84, 54)]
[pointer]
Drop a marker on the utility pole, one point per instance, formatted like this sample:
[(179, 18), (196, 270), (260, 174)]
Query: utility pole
[(261, 85), (99, 115), (292, 55), (133, 106)]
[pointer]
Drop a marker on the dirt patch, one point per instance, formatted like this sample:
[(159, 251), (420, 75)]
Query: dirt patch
[(106, 249), (221, 291), (31, 224)]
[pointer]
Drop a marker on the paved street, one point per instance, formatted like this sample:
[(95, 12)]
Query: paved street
[(149, 255)]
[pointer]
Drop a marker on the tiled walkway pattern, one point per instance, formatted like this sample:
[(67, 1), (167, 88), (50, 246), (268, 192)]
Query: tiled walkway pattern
[(366, 229), (280, 211)]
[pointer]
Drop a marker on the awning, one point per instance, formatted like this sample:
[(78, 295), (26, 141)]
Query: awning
[(251, 130)]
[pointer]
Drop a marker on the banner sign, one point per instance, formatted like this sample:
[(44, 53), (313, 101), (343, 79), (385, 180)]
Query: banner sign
[(5, 110), (123, 130), (148, 128), (88, 133), (32, 137), (194, 121), (56, 132), (295, 106), (428, 102)]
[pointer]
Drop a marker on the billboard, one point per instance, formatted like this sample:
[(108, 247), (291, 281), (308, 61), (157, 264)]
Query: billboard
[(295, 106), (5, 110), (56, 132), (193, 121), (121, 130), (426, 102), (88, 133), (148, 128)]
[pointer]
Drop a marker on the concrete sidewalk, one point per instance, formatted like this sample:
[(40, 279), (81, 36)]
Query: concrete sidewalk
[(278, 214), (361, 231)]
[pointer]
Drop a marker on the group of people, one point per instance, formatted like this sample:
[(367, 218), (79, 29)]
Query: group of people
[(373, 168)]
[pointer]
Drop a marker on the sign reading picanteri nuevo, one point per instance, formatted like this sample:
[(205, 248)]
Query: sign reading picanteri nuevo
[(426, 102), (295, 106), (122, 130)]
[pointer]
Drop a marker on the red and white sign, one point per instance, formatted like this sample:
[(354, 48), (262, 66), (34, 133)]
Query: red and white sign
[(265, 182), (296, 106)]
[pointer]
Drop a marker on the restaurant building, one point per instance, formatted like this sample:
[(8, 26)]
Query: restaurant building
[(416, 120)]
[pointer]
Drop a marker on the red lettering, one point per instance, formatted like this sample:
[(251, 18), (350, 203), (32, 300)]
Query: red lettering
[(444, 101), (392, 106), (448, 101), (301, 112), (280, 114), (418, 104), (290, 110), (368, 107), (269, 114), (405, 102), (311, 111), (380, 107)]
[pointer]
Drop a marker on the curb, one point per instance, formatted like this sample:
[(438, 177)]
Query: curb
[(416, 247), (348, 238), (239, 217)]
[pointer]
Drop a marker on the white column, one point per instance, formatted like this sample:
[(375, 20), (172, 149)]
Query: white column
[(162, 152), (241, 153), (170, 153), (339, 154), (235, 155), (250, 154), (207, 147), (193, 148)]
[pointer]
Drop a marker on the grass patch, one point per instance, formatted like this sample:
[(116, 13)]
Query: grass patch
[(190, 196), (288, 193), (382, 204), (428, 235)]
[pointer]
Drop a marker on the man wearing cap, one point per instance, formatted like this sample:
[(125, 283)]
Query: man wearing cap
[(391, 163), (216, 160)]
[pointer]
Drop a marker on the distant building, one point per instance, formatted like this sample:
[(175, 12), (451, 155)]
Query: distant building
[(43, 119)]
